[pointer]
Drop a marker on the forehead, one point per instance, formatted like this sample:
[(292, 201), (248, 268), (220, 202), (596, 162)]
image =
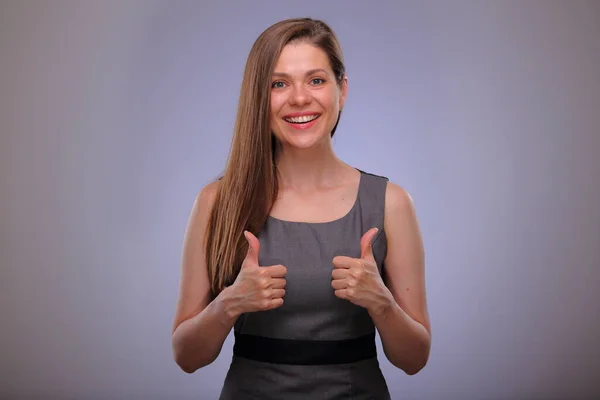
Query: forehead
[(300, 57)]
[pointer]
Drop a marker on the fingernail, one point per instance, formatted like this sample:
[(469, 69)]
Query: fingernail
[(376, 230)]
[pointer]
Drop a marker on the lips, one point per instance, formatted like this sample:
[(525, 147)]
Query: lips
[(301, 119)]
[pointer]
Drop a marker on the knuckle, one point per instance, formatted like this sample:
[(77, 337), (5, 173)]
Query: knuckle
[(262, 272), (359, 273), (350, 292)]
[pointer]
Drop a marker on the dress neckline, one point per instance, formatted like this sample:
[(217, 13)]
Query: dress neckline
[(345, 216)]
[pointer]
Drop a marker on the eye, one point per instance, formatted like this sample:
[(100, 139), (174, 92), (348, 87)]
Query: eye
[(317, 81), (277, 85)]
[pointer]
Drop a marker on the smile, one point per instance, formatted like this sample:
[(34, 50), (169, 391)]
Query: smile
[(302, 120)]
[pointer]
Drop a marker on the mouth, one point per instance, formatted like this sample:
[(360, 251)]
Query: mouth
[(304, 119)]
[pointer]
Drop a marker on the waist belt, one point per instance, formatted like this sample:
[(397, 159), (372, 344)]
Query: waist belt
[(304, 352)]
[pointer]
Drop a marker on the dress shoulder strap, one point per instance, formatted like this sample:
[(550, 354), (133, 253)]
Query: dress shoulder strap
[(371, 206)]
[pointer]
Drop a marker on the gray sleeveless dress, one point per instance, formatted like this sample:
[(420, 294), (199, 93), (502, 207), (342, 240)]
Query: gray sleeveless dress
[(315, 346)]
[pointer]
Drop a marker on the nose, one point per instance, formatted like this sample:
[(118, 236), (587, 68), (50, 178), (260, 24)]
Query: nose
[(299, 96)]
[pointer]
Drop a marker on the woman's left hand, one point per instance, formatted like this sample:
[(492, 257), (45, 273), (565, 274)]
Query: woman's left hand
[(358, 280)]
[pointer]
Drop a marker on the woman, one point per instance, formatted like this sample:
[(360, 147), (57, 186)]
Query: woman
[(302, 254)]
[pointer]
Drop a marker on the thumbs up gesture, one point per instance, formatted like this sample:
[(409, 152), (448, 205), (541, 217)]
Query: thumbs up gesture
[(358, 280), (258, 288)]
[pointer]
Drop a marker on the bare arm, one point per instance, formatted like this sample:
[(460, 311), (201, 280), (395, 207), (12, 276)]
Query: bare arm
[(404, 325), (200, 326)]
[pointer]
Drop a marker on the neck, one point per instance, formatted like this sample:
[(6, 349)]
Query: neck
[(305, 169)]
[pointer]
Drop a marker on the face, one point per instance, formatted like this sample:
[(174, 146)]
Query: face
[(305, 97)]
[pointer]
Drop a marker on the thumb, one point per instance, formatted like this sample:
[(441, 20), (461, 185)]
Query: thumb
[(366, 251), (253, 249)]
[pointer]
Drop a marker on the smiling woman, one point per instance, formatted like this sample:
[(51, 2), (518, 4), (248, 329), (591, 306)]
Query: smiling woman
[(304, 256)]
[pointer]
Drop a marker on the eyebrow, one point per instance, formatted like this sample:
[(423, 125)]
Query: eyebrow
[(309, 72)]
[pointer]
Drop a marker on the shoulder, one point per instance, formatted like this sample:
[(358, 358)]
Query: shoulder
[(209, 192), (207, 195), (398, 200), (401, 224), (202, 206)]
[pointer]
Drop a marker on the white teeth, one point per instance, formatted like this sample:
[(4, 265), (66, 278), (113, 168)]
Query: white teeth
[(303, 119)]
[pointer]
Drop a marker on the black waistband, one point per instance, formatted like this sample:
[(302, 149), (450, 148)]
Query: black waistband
[(304, 352)]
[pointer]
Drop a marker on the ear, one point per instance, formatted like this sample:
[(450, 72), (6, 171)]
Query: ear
[(343, 91)]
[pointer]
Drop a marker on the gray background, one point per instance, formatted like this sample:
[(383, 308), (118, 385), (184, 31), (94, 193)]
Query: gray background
[(113, 115)]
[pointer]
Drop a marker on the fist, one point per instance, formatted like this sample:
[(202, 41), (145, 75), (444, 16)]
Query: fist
[(357, 279), (258, 288)]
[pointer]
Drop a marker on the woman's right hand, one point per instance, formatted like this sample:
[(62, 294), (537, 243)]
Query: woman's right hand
[(257, 288)]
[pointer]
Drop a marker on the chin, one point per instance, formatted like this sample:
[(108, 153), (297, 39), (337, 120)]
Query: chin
[(302, 140)]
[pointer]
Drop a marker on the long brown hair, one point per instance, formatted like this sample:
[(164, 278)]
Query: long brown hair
[(249, 185)]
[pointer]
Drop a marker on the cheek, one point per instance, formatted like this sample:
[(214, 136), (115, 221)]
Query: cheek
[(330, 99), (274, 120), (275, 107)]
